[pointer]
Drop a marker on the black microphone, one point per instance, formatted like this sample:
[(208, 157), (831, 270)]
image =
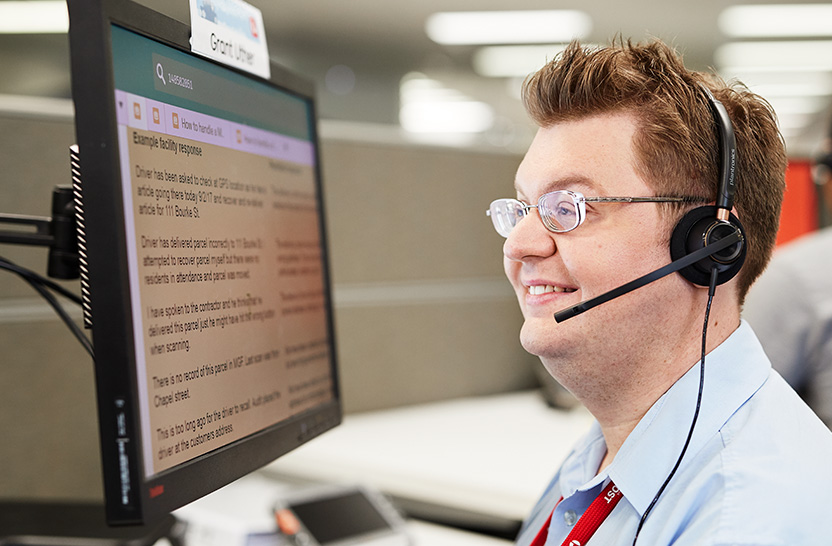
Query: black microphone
[(672, 267)]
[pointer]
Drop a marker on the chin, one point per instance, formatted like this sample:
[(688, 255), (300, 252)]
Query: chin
[(540, 337)]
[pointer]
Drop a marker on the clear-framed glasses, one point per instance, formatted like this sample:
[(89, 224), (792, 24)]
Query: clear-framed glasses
[(562, 210)]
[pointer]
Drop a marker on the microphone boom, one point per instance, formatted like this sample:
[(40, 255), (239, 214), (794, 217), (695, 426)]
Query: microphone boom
[(672, 267)]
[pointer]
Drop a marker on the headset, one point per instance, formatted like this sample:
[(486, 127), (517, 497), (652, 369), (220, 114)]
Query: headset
[(706, 225)]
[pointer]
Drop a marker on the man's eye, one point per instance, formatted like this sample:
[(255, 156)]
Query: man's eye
[(564, 211)]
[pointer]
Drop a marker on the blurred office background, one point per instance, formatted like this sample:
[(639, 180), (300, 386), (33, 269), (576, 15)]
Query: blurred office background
[(422, 127)]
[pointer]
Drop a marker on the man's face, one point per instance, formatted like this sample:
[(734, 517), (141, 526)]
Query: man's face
[(616, 243)]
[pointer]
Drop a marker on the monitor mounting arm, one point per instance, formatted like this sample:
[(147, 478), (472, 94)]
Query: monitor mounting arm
[(62, 232), (58, 232)]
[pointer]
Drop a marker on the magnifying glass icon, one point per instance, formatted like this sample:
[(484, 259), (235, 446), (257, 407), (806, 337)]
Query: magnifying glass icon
[(160, 73)]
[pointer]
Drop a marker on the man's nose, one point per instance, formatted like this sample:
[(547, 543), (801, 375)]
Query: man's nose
[(529, 238)]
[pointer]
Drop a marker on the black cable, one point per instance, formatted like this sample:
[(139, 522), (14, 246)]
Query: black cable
[(41, 285), (27, 273), (711, 291)]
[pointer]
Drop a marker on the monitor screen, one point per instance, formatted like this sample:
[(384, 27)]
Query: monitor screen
[(206, 260)]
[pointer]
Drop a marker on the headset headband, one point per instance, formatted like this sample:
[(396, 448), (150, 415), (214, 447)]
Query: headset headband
[(728, 155)]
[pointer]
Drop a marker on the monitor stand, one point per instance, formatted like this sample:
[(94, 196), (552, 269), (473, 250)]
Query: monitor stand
[(56, 523)]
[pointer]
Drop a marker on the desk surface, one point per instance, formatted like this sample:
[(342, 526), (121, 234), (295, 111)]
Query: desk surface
[(426, 534), (488, 455), (241, 514)]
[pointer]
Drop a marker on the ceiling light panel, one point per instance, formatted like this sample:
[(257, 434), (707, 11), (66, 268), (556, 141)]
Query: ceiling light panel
[(507, 27), (429, 107), (797, 105), (513, 61), (781, 56), (777, 20), (36, 17), (794, 83)]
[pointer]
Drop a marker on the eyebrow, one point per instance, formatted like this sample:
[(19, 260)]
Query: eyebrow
[(580, 183)]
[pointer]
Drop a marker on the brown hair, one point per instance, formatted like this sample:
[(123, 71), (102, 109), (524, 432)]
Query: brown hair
[(676, 145)]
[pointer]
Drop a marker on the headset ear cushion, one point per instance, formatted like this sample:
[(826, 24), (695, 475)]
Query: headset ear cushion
[(696, 229)]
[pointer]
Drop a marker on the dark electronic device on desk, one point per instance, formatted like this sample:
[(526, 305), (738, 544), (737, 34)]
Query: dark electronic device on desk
[(204, 264), (340, 516)]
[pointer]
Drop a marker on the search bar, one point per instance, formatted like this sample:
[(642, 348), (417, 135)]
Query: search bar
[(235, 94), (174, 77)]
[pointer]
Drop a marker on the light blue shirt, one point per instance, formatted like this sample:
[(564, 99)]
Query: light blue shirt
[(758, 470)]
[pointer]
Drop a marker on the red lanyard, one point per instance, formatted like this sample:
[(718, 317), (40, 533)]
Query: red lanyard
[(589, 522)]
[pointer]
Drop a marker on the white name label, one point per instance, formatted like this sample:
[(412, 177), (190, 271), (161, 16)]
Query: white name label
[(231, 32)]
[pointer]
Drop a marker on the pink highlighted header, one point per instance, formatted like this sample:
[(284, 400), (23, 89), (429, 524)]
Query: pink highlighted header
[(142, 113)]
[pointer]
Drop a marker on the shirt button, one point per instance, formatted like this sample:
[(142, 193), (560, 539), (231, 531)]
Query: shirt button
[(570, 517)]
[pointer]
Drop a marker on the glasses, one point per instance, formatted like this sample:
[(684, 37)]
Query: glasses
[(562, 210)]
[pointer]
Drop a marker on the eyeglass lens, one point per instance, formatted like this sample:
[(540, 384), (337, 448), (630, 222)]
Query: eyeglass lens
[(505, 213), (559, 211)]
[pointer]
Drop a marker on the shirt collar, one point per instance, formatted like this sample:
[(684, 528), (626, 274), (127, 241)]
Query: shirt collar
[(581, 466), (734, 371)]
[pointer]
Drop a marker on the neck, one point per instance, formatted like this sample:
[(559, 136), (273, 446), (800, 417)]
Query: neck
[(619, 419), (621, 401)]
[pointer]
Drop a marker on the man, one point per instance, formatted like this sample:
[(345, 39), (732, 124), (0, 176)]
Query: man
[(631, 121), (790, 307)]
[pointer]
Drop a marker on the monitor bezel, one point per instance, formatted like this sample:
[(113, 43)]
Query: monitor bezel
[(130, 498)]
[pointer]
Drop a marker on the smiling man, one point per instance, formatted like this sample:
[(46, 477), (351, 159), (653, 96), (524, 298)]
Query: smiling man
[(697, 440)]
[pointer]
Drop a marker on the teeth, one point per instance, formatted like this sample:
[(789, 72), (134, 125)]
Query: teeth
[(545, 288)]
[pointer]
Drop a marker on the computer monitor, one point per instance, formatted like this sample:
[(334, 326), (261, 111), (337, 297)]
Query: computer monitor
[(206, 261)]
